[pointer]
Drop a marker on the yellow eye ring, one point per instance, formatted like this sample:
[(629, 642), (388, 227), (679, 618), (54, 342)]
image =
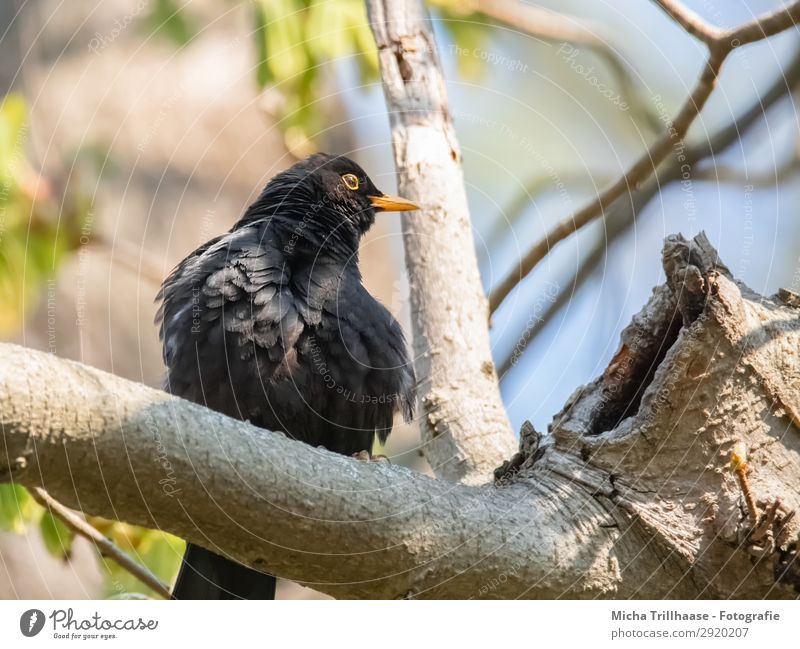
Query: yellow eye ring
[(350, 181)]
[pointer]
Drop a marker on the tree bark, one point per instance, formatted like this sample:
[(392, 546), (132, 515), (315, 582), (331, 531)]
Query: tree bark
[(465, 430), (632, 494)]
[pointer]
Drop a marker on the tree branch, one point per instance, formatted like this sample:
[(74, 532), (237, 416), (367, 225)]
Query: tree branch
[(640, 170), (104, 545), (623, 213), (761, 27), (720, 45), (348, 528), (539, 22), (465, 431), (764, 26), (691, 22), (532, 189)]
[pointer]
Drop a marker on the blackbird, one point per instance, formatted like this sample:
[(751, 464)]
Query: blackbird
[(270, 323)]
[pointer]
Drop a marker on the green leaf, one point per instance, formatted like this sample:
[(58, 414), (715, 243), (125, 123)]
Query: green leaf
[(364, 44), (14, 286), (13, 133), (159, 551), (294, 39), (56, 535), (326, 30), (263, 72), (285, 47), (162, 553), (16, 508), (471, 39), (168, 19)]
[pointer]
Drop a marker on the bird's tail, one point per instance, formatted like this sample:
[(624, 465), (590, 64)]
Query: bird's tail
[(205, 575)]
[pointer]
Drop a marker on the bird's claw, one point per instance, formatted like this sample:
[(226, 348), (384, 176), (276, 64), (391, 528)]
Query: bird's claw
[(366, 456)]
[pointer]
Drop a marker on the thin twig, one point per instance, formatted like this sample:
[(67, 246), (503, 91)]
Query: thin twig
[(723, 174), (538, 21), (691, 22), (642, 169), (104, 545), (532, 189), (579, 278), (622, 215), (720, 45), (763, 26)]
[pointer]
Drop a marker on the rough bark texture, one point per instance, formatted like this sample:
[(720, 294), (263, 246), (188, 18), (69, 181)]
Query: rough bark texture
[(632, 495), (729, 375), (465, 430)]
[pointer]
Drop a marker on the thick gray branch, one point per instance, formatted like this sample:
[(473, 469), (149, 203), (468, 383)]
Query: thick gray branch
[(465, 430), (110, 447)]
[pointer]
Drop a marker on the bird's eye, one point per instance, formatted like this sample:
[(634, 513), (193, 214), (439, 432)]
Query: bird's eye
[(350, 181)]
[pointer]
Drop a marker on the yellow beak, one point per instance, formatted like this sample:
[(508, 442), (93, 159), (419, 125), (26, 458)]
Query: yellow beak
[(392, 204)]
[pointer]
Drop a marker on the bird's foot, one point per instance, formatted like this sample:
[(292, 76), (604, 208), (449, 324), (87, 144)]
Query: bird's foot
[(366, 456)]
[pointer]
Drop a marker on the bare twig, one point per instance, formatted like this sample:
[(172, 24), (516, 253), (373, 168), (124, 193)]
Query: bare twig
[(104, 545), (623, 213), (770, 178), (534, 187), (720, 44), (763, 26), (579, 278), (539, 22), (643, 167), (691, 22)]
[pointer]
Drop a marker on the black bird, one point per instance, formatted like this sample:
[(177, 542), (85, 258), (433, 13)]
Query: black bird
[(270, 323)]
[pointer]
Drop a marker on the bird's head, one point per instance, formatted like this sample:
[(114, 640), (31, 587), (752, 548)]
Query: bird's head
[(324, 200)]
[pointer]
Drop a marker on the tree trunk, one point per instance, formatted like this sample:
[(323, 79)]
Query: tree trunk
[(465, 431)]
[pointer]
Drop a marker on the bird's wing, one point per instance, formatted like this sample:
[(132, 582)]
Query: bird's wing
[(372, 342), (226, 305), (390, 362)]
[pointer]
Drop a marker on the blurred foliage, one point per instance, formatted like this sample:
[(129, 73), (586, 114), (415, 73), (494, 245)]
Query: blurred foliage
[(38, 224), (42, 221), (18, 511), (167, 20), (295, 38), (159, 551)]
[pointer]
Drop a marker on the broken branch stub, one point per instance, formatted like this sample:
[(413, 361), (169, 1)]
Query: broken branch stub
[(707, 364)]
